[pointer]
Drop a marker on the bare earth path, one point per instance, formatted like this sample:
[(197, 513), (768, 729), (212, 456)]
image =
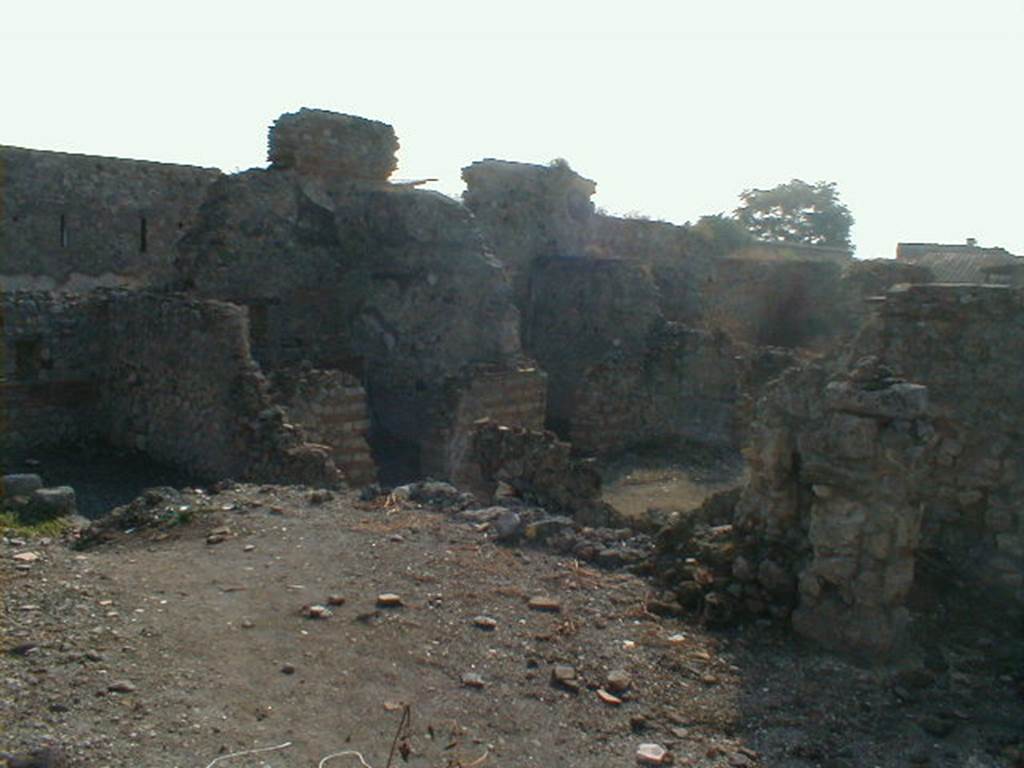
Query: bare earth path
[(212, 654)]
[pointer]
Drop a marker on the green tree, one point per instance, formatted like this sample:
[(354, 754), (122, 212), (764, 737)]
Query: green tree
[(722, 232), (796, 212)]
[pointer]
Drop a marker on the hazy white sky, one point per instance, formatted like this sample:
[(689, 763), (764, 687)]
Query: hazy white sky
[(914, 107)]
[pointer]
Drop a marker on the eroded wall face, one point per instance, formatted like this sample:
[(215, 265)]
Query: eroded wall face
[(910, 444), (52, 361), (159, 373), (331, 409), (75, 222)]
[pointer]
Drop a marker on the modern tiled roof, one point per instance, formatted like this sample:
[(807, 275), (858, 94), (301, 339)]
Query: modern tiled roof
[(956, 264)]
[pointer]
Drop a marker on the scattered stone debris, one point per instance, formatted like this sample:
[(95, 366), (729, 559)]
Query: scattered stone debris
[(545, 603), (652, 754), (389, 600), (472, 680)]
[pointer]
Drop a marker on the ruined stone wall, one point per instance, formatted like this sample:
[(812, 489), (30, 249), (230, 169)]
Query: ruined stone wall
[(780, 303), (680, 262), (330, 407), (907, 450), (541, 470), (180, 385), (52, 358), (318, 143), (580, 310), (74, 222), (162, 374), (512, 397), (389, 283), (528, 212), (687, 385)]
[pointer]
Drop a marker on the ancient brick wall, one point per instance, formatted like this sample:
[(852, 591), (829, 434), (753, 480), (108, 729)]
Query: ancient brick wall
[(331, 409), (77, 221), (513, 397), (52, 358)]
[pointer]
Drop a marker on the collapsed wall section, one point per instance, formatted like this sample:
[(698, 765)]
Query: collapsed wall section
[(330, 407), (512, 397)]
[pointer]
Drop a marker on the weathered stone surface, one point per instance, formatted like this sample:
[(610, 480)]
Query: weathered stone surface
[(316, 142), (20, 485), (55, 502)]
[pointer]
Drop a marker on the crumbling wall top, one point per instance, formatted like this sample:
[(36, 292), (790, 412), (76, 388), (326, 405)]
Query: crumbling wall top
[(316, 142)]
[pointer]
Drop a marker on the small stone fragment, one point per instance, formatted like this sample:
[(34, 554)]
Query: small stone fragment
[(27, 557), (485, 623), (651, 754), (122, 686), (472, 680), (608, 698), (335, 600), (317, 612), (544, 603), (618, 681), (248, 547), (565, 676), (288, 669), (389, 600), (247, 624)]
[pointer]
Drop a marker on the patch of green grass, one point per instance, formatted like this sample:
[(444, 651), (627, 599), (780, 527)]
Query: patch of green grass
[(31, 526)]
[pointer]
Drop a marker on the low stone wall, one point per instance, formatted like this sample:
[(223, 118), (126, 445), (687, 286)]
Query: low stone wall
[(330, 407)]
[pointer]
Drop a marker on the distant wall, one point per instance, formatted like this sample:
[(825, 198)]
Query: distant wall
[(776, 303), (80, 221), (758, 251), (687, 385), (579, 311)]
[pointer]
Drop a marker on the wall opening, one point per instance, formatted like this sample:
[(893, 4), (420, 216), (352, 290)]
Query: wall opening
[(259, 325), (63, 231), (28, 358), (142, 234)]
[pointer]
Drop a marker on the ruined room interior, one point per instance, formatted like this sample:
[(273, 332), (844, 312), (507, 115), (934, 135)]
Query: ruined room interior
[(772, 468)]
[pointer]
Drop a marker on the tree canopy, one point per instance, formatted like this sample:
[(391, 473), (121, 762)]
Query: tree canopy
[(796, 212)]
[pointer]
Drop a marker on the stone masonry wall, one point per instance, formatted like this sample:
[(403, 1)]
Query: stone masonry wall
[(687, 385), (180, 384), (52, 358), (512, 397), (159, 373), (74, 222), (580, 310), (330, 407), (910, 444)]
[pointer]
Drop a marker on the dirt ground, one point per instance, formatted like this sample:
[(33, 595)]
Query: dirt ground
[(669, 481), (160, 649)]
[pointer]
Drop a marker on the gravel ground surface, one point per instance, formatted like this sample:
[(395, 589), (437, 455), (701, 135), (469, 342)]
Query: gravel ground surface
[(181, 643)]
